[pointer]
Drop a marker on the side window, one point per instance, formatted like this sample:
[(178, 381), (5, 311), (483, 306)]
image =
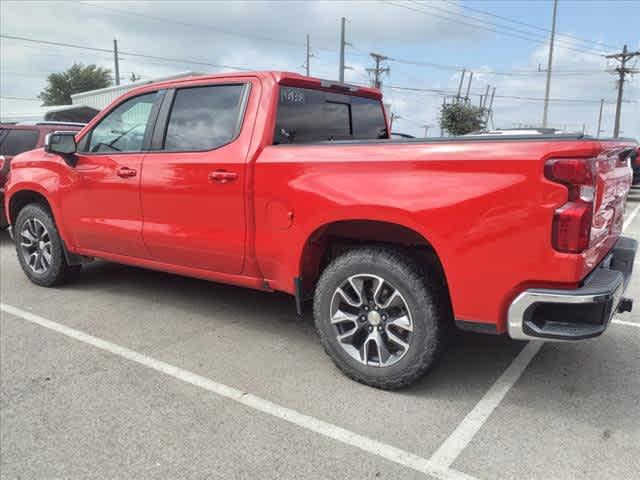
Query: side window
[(204, 118), (122, 130), (18, 141)]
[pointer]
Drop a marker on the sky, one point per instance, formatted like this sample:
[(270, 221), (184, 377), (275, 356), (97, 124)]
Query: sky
[(505, 43)]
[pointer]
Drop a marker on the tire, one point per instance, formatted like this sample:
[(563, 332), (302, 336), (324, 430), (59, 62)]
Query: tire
[(52, 268), (420, 307), (3, 219)]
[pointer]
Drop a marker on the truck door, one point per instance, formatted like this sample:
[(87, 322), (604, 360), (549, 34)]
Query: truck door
[(103, 208), (193, 181)]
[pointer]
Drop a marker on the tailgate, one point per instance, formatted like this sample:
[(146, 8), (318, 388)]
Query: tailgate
[(613, 181)]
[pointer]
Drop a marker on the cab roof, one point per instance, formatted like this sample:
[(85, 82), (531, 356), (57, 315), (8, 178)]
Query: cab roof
[(283, 78)]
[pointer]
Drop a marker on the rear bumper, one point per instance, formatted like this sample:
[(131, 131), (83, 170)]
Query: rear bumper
[(576, 314)]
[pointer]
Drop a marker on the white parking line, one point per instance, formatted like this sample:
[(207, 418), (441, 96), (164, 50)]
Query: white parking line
[(455, 443), (628, 324), (632, 215), (466, 430), (369, 445)]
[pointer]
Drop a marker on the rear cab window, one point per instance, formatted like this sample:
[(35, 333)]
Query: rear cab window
[(16, 141), (306, 115)]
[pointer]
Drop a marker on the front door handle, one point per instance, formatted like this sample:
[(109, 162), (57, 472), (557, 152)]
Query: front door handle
[(222, 176), (126, 172)]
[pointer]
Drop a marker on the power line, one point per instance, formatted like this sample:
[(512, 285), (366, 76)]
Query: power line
[(486, 27), (515, 73), (530, 25), (131, 54), (5, 97), (38, 74), (534, 36), (454, 14), (512, 97), (156, 18)]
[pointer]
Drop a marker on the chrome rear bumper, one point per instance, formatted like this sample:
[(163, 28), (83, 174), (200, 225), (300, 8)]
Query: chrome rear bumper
[(576, 314)]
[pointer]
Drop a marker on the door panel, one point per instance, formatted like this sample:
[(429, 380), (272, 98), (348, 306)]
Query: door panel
[(194, 201), (190, 219), (103, 207)]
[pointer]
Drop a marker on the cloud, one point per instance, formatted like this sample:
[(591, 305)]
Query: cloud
[(271, 35)]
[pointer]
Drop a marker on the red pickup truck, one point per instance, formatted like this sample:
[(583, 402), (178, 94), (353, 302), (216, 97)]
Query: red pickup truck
[(276, 181)]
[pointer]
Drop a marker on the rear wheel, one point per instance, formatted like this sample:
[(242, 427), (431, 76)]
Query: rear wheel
[(39, 247), (380, 318)]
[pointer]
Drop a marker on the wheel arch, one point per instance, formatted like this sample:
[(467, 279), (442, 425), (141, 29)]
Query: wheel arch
[(332, 238), (21, 198)]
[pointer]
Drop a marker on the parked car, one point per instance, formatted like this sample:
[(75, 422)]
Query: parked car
[(519, 131), (398, 135), (19, 138), (635, 165), (275, 181)]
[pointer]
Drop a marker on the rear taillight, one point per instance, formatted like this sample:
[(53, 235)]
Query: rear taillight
[(572, 221)]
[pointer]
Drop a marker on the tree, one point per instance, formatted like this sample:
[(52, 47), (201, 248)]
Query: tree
[(460, 119), (78, 78)]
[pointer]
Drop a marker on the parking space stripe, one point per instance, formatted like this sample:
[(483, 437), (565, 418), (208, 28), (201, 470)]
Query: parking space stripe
[(628, 324), (466, 430), (455, 443), (334, 432), (632, 215)]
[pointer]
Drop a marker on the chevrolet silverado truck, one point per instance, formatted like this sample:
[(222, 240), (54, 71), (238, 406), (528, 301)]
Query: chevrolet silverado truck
[(280, 182)]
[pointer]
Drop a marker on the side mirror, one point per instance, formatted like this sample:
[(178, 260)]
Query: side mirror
[(62, 143)]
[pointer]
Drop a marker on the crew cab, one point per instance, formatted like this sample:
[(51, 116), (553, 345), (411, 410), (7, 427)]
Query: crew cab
[(19, 138), (280, 182)]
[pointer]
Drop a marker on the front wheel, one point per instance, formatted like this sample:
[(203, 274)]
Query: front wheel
[(39, 247), (381, 319)]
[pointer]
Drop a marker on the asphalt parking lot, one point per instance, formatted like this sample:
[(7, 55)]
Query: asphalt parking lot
[(127, 373)]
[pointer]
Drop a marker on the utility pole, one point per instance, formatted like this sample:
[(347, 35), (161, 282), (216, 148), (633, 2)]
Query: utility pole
[(622, 71), (490, 109), (116, 62), (483, 103), (466, 97), (545, 114), (460, 85), (343, 43), (599, 131), (376, 80), (307, 64), (426, 130), (493, 94), (394, 116), (444, 103)]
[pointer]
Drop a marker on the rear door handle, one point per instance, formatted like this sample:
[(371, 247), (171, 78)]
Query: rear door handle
[(222, 176), (126, 172)]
